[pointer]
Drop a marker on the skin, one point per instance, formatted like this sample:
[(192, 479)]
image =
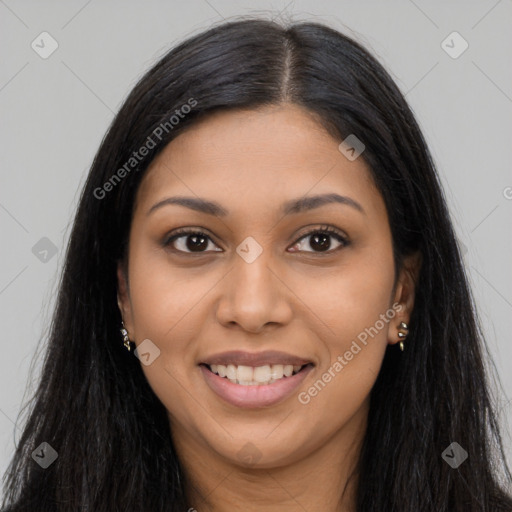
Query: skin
[(303, 302)]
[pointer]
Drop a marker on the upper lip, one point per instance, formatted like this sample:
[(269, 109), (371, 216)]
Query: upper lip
[(270, 357)]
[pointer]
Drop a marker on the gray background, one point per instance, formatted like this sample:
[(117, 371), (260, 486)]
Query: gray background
[(55, 112)]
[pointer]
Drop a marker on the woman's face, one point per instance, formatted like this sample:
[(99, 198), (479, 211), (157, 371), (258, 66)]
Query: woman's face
[(261, 276)]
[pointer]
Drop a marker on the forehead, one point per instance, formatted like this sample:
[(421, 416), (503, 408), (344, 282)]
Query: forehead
[(257, 157)]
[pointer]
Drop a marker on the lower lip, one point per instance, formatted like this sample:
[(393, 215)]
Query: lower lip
[(254, 396)]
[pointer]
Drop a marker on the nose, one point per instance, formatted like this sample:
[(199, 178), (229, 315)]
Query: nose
[(254, 296)]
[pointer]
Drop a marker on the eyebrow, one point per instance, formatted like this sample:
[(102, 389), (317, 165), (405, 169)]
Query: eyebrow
[(291, 207)]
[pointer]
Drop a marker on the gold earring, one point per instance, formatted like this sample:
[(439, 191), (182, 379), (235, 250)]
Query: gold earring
[(403, 334), (126, 339)]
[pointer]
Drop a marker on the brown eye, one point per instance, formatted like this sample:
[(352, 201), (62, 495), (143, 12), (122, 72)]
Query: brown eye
[(189, 241), (320, 240)]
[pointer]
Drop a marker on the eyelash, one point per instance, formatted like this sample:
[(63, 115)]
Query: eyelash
[(321, 230)]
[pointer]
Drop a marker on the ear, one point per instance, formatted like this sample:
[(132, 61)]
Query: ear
[(123, 297), (404, 293)]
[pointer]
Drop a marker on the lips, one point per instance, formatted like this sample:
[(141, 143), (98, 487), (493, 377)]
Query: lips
[(253, 380), (254, 396)]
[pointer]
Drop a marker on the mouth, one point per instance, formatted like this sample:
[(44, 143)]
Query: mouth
[(248, 387), (255, 375)]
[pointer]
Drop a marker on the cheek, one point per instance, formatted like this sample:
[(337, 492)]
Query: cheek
[(355, 295), (163, 296), (354, 349)]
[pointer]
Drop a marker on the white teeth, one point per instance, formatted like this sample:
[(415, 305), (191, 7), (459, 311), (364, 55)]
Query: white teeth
[(277, 371), (244, 374), (231, 372), (252, 376), (262, 373)]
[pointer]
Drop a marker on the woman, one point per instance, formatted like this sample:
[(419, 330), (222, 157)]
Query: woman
[(263, 305)]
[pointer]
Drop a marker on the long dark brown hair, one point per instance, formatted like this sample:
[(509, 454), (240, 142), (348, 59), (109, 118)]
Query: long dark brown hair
[(94, 406)]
